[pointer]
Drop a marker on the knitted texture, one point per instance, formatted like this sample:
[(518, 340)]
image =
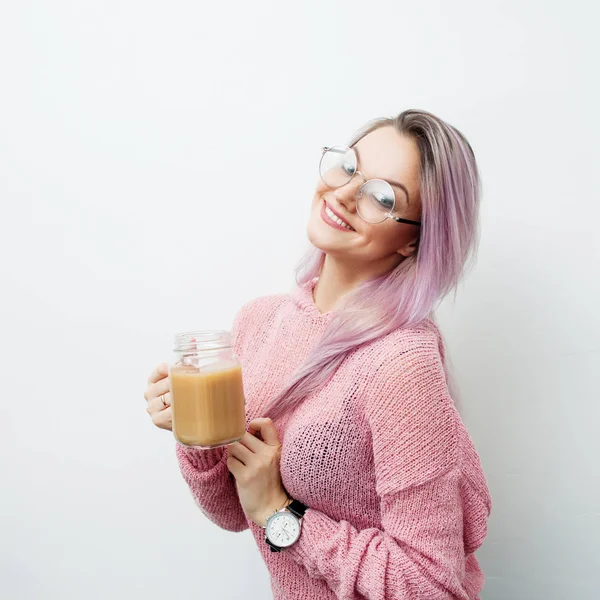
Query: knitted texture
[(398, 501)]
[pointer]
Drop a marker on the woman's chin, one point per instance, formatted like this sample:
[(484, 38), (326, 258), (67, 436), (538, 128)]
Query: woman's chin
[(324, 241), (324, 236)]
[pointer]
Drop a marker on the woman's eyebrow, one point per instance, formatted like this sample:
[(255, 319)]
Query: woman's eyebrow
[(390, 181)]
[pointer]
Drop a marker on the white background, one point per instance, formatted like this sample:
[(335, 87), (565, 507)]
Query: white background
[(157, 162)]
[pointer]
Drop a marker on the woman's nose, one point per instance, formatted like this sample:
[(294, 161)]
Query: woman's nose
[(346, 195)]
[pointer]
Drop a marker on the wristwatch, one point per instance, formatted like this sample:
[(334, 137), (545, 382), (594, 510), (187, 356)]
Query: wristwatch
[(283, 526)]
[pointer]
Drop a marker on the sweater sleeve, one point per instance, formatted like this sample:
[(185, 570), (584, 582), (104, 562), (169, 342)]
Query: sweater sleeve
[(426, 506), (205, 471), (213, 488)]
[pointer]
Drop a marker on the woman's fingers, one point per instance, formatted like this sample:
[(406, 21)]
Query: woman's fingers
[(239, 451), (264, 428), (160, 372), (163, 418), (155, 390), (157, 405), (251, 441), (234, 465), (158, 397)]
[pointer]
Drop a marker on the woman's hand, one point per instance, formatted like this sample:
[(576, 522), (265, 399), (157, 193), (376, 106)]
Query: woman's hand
[(255, 465), (158, 397)]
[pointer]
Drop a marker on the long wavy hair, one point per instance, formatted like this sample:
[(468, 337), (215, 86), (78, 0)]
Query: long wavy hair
[(450, 190)]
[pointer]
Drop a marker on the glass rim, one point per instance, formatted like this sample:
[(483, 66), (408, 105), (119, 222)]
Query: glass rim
[(331, 149), (202, 340), (385, 213), (384, 216)]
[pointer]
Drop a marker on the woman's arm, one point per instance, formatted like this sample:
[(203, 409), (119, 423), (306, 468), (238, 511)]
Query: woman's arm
[(206, 472), (418, 552), (432, 518), (213, 488)]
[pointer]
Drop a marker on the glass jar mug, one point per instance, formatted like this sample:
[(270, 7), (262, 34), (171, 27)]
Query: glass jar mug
[(207, 394)]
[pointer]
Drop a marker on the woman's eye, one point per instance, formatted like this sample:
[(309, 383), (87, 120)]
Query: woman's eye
[(349, 169), (384, 201)]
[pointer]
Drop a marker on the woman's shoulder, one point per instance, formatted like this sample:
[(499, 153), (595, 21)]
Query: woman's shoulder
[(422, 340), (423, 331)]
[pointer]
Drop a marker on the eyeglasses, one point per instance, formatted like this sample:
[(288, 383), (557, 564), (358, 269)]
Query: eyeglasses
[(375, 199)]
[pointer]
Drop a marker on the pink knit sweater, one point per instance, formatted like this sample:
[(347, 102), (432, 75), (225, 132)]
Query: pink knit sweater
[(398, 501)]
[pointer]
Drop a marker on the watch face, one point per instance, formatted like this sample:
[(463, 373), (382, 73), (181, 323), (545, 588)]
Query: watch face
[(283, 529)]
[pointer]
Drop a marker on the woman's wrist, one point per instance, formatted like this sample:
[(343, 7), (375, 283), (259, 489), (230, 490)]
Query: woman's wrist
[(263, 522)]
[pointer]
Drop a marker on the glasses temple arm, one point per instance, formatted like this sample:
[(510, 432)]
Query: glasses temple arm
[(407, 221), (327, 149)]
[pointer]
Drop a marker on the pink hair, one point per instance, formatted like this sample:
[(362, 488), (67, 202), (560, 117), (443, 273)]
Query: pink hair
[(450, 191)]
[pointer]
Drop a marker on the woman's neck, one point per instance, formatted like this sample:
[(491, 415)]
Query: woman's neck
[(337, 279)]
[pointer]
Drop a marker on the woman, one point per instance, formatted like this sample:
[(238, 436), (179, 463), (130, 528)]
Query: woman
[(352, 431)]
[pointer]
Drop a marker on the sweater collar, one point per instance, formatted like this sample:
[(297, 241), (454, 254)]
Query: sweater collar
[(303, 297)]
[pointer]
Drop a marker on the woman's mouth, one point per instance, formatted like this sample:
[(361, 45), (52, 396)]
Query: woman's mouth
[(332, 219)]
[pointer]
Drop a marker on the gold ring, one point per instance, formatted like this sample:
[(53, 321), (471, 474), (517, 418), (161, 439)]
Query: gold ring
[(162, 399)]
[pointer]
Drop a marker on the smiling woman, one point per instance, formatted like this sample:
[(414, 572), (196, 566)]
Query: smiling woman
[(356, 467), (370, 208)]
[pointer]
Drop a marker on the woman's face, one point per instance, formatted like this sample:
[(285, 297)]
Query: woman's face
[(382, 154)]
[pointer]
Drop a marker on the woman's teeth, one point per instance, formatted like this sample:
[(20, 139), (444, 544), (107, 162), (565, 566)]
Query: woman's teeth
[(333, 217)]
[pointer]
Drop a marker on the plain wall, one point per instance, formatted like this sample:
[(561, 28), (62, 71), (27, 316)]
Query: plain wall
[(157, 163)]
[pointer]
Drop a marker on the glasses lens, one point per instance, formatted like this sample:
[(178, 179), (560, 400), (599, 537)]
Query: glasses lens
[(375, 200), (338, 165)]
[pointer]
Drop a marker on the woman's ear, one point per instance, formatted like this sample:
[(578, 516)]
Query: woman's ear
[(409, 249)]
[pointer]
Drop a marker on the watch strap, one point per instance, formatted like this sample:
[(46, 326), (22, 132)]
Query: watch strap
[(297, 508), (273, 547)]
